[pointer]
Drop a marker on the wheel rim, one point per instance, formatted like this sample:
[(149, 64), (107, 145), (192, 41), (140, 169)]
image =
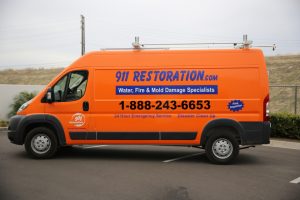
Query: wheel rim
[(40, 143), (222, 148)]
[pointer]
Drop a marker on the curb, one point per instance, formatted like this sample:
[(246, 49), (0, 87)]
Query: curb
[(284, 144), (3, 129)]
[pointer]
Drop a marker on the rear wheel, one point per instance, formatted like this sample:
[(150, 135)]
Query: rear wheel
[(41, 143), (222, 147)]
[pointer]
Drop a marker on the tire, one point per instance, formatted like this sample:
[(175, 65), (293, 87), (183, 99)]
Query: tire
[(222, 146), (41, 143)]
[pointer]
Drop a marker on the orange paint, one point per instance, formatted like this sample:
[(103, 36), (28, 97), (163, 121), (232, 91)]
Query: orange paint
[(241, 75)]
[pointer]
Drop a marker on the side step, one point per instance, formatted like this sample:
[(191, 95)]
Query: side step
[(246, 147), (242, 147)]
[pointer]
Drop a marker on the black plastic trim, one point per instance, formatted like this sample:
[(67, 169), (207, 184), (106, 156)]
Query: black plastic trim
[(133, 135), (250, 133), (256, 133), (78, 135), (127, 135), (58, 127), (178, 135), (223, 122), (19, 123)]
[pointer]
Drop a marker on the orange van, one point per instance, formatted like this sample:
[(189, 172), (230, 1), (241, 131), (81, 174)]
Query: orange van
[(213, 99)]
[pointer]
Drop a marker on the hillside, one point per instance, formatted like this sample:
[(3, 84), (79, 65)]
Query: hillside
[(284, 70), (39, 76)]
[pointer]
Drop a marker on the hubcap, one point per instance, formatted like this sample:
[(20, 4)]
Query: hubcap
[(222, 148), (40, 143)]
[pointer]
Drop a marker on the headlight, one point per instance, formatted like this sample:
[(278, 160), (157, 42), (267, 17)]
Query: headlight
[(24, 106)]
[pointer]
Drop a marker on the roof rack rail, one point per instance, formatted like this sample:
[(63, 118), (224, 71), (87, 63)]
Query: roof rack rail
[(129, 48), (246, 44)]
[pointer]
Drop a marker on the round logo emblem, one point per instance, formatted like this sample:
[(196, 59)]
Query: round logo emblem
[(78, 120)]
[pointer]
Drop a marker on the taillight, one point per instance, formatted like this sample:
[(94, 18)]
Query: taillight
[(266, 108)]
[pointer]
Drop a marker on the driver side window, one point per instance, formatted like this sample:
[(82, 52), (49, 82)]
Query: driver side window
[(59, 89), (71, 87)]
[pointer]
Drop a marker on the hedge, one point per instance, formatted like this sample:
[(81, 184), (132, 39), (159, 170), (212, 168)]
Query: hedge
[(3, 123), (285, 125), (19, 100)]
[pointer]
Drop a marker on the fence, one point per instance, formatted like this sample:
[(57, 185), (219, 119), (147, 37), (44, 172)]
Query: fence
[(285, 98)]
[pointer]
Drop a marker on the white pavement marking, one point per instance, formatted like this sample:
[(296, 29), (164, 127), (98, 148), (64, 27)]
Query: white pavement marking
[(96, 146), (182, 157), (296, 181)]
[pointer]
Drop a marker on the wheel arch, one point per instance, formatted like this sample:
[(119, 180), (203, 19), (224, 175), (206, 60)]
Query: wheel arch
[(41, 120), (233, 125)]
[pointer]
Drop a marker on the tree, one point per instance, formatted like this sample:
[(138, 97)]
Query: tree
[(19, 100)]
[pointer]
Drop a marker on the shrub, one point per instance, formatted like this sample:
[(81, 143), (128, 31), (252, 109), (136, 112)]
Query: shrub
[(285, 125), (3, 123), (19, 100)]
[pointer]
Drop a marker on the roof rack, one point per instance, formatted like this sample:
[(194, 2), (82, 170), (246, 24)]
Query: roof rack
[(246, 44), (118, 49)]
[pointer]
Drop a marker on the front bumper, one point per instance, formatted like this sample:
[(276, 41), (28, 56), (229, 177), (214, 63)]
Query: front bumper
[(12, 132), (11, 135)]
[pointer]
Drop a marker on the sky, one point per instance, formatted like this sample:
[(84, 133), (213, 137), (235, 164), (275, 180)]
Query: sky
[(40, 33)]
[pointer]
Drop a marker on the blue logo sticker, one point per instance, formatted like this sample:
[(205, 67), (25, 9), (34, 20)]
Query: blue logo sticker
[(166, 89), (235, 105)]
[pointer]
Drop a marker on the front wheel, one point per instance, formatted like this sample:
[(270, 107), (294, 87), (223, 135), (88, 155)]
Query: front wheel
[(222, 147), (41, 143)]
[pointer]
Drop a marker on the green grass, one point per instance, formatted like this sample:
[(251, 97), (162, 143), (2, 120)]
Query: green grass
[(3, 123)]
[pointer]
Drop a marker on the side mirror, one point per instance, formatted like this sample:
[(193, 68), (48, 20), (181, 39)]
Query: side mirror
[(49, 96)]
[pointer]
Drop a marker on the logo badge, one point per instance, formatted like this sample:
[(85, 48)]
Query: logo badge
[(78, 120), (235, 105)]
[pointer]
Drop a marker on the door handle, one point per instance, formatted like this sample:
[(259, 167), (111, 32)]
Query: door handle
[(85, 106)]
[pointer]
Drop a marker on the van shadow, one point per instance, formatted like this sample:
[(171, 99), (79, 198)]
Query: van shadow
[(151, 154)]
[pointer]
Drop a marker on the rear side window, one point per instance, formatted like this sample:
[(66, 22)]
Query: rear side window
[(71, 87)]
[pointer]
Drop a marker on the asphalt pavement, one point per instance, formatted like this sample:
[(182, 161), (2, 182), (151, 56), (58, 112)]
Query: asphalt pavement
[(124, 172)]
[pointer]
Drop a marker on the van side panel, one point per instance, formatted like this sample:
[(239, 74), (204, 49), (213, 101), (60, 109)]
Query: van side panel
[(123, 112), (111, 115), (171, 97), (222, 84)]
